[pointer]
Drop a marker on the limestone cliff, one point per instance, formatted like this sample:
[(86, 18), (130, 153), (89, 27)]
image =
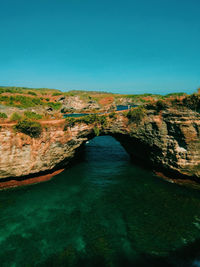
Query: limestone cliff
[(22, 155), (168, 139)]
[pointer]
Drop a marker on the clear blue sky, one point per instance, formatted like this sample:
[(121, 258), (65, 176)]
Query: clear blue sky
[(126, 46)]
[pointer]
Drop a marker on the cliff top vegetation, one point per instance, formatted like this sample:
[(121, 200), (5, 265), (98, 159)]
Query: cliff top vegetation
[(51, 103)]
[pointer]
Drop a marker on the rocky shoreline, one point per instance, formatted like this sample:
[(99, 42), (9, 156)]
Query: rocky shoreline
[(13, 183)]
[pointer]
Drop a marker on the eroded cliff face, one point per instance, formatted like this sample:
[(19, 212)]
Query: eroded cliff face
[(169, 140), (22, 155)]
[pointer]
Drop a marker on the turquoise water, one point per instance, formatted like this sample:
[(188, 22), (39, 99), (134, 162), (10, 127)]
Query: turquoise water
[(75, 115), (103, 211)]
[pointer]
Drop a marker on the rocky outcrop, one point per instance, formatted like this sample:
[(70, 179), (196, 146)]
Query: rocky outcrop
[(22, 155), (76, 104), (168, 139)]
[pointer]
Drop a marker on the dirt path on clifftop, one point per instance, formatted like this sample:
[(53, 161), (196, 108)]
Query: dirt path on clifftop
[(42, 122), (53, 121)]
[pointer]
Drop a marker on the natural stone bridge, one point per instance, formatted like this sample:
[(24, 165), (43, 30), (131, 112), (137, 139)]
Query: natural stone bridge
[(168, 140)]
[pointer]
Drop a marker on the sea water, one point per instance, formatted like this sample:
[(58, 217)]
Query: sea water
[(102, 211)]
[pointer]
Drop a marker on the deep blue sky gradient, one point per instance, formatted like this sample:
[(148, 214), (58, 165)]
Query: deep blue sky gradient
[(126, 46)]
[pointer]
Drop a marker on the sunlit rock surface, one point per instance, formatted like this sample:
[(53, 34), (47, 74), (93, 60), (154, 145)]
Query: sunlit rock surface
[(168, 139)]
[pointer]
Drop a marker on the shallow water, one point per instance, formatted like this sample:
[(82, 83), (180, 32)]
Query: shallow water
[(103, 211)]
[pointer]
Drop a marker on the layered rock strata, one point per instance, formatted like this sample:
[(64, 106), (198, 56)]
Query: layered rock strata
[(169, 140)]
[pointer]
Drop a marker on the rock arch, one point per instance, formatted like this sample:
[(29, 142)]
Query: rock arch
[(168, 140)]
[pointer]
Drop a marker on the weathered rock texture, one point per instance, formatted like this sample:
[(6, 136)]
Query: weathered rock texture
[(77, 104), (169, 140)]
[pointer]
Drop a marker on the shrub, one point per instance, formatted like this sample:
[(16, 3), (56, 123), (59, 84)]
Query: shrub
[(15, 117), (89, 119), (192, 102), (96, 130), (102, 120), (3, 115), (36, 101), (93, 118), (160, 105), (8, 91), (55, 106), (175, 94), (20, 101), (55, 94), (112, 115), (31, 128), (136, 114), (32, 115), (70, 122), (31, 93), (4, 98)]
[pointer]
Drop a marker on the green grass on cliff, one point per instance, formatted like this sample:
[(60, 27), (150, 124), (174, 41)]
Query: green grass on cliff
[(70, 122), (3, 115), (93, 118), (21, 101), (28, 127), (89, 119), (23, 97), (32, 115), (26, 90), (136, 114), (15, 117)]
